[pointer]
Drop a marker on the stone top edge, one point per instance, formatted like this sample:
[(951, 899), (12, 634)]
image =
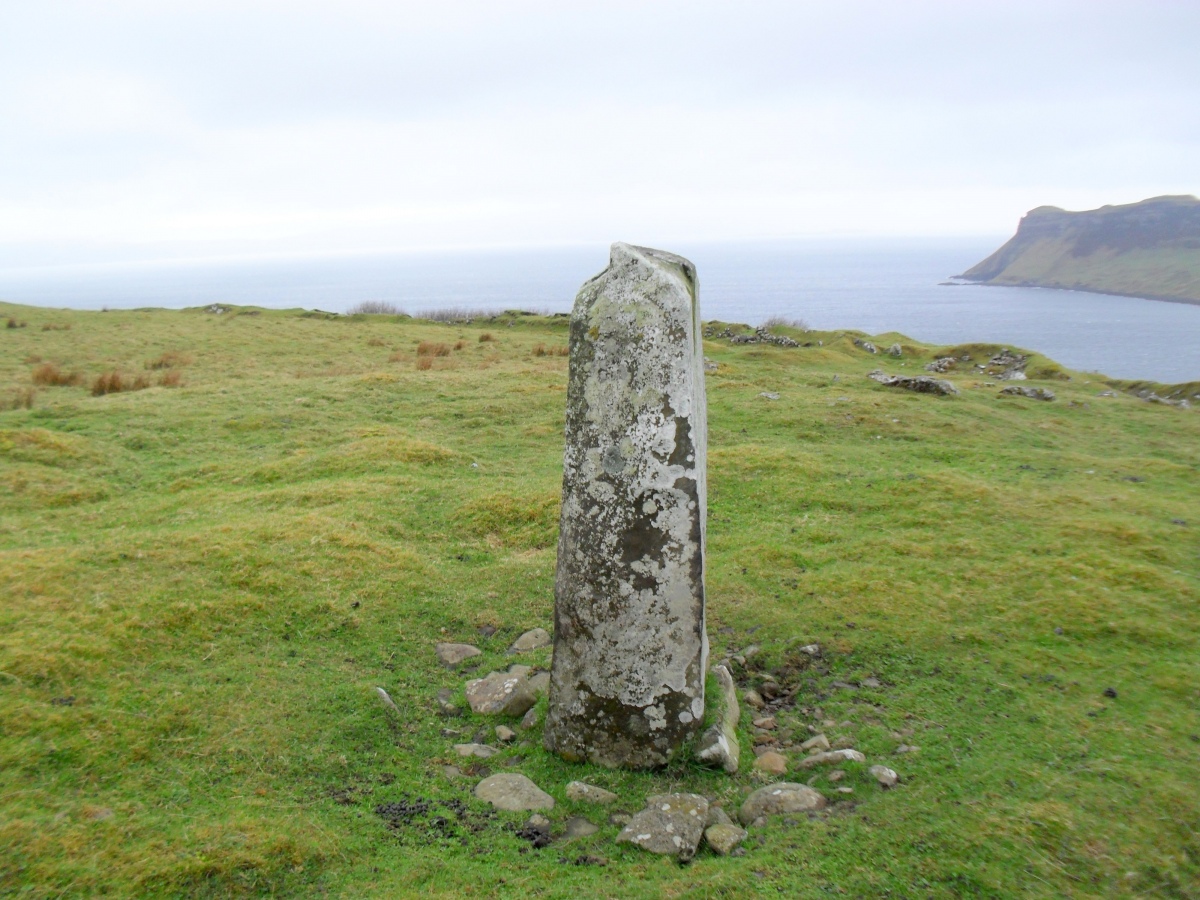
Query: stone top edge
[(681, 265)]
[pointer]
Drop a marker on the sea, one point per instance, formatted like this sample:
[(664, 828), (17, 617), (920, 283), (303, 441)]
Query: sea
[(872, 285)]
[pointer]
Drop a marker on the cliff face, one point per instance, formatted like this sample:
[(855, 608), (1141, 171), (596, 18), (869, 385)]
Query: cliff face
[(1146, 249)]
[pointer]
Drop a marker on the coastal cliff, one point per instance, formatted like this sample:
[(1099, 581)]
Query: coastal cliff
[(1146, 249)]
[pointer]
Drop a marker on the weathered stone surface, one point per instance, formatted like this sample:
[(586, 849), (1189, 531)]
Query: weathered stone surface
[(483, 751), (500, 693), (723, 838), (671, 825), (534, 639), (777, 799), (886, 777), (582, 792), (578, 826), (504, 734), (833, 756), (718, 746), (772, 763), (630, 650), (453, 654), (922, 384), (540, 683), (513, 792), (1033, 393), (816, 742), (717, 816)]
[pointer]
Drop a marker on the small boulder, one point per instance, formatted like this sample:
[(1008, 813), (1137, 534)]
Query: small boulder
[(500, 693), (453, 654), (670, 825), (886, 777), (781, 798), (578, 826), (534, 639), (1033, 393), (581, 792), (717, 816), (771, 763), (718, 746), (922, 384), (895, 350), (722, 839), (512, 792), (504, 734), (754, 699), (540, 684), (832, 756), (529, 720), (818, 742)]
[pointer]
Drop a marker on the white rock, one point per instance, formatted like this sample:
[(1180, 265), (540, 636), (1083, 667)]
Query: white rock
[(500, 693), (453, 654), (581, 792), (671, 825), (718, 746), (886, 777), (777, 799), (833, 756)]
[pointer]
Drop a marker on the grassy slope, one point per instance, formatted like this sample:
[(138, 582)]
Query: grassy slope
[(220, 574)]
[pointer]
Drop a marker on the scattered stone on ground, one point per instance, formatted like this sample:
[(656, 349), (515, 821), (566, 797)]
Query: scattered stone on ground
[(1007, 366), (384, 696), (540, 684), (770, 689), (765, 722), (670, 825), (871, 683), (922, 384), (533, 639), (760, 336), (818, 742), (843, 743), (620, 819), (504, 734), (453, 772), (718, 746), (537, 820), (836, 775), (942, 365), (513, 792), (723, 838), (518, 669), (777, 799), (769, 395), (628, 673), (709, 365), (895, 350), (529, 720), (452, 654), (771, 763), (500, 693), (844, 790), (578, 826), (907, 748), (811, 649), (832, 756), (483, 751), (754, 699), (717, 816), (886, 777), (581, 792), (1033, 393), (445, 701), (866, 345)]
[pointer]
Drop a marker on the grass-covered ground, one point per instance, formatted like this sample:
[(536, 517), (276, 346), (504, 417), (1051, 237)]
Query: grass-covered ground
[(202, 582)]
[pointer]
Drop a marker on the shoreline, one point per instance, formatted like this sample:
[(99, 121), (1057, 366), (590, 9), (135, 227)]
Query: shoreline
[(971, 282)]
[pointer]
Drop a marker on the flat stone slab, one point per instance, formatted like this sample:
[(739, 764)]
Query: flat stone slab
[(581, 792), (832, 756), (452, 654), (722, 839), (670, 825), (483, 751), (922, 384), (534, 639), (512, 792), (501, 693), (718, 746), (778, 799)]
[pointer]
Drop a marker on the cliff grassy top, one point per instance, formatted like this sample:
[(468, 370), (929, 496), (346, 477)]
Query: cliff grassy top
[(203, 581), (1145, 249)]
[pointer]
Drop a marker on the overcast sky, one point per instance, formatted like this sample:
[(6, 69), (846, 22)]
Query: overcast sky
[(153, 127)]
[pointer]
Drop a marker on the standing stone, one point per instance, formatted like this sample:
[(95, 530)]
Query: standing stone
[(630, 650)]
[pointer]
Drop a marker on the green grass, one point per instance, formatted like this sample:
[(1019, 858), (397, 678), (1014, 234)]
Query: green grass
[(221, 572)]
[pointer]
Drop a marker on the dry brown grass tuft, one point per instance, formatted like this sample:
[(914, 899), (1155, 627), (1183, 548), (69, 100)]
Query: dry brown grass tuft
[(13, 323), (50, 375), (430, 348), (424, 362), (114, 383), (543, 350), (22, 398), (56, 326), (169, 360), (460, 345), (169, 379), (376, 342), (485, 337)]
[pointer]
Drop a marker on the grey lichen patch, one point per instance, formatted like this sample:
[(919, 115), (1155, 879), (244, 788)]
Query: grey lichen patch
[(630, 650)]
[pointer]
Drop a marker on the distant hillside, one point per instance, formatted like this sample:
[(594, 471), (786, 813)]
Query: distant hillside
[(1146, 249)]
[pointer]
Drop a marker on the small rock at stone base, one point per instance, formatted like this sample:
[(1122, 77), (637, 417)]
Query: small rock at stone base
[(483, 751), (811, 649), (843, 743), (619, 819), (670, 825), (836, 775), (818, 742), (518, 669), (765, 722), (534, 639), (754, 699), (871, 683), (540, 684), (723, 838), (832, 756), (769, 689), (907, 748), (537, 820), (504, 734), (718, 746), (529, 720), (886, 777), (581, 792), (499, 692), (717, 816), (513, 792), (578, 826), (780, 798), (771, 763), (845, 790), (453, 654), (446, 704)]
